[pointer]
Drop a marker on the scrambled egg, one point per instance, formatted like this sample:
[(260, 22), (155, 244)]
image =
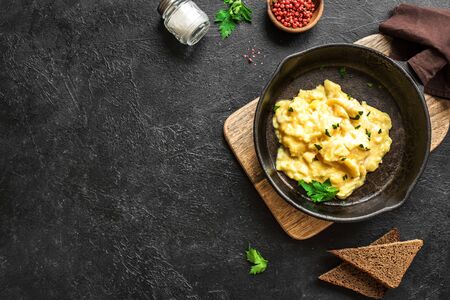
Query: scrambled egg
[(326, 134)]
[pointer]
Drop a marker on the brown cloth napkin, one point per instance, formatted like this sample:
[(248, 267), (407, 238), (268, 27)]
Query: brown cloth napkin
[(424, 35)]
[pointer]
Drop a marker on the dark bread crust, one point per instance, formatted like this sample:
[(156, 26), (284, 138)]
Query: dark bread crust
[(347, 276), (386, 263)]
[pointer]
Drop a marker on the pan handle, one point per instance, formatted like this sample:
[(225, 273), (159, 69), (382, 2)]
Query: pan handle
[(405, 66)]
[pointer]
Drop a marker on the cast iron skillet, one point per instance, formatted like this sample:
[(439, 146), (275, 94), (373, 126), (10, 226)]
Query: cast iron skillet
[(393, 91)]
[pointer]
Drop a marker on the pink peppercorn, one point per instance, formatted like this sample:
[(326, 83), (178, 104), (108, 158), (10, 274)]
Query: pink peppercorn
[(293, 13)]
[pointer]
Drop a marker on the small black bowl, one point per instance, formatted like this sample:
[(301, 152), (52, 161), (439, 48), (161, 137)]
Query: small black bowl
[(390, 89)]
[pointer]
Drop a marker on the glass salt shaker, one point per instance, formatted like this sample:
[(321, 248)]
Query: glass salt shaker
[(184, 19)]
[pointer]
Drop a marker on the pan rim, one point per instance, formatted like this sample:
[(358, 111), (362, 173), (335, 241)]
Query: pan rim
[(323, 216)]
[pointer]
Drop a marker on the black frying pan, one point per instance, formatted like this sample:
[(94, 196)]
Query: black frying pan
[(393, 91)]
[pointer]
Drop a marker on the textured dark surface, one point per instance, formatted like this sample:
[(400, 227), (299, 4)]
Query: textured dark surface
[(115, 180)]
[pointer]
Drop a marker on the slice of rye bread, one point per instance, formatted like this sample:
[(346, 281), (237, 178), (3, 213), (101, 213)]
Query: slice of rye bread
[(386, 263), (347, 276)]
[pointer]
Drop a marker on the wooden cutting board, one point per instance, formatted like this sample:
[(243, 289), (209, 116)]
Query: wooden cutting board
[(238, 131)]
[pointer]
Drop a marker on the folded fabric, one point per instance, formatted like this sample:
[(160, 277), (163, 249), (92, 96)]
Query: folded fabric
[(427, 31)]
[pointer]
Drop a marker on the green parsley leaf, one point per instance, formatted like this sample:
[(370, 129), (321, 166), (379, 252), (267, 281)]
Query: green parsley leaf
[(355, 117), (335, 125), (344, 158), (327, 133), (363, 147), (360, 112), (379, 131), (344, 177), (290, 109), (256, 269), (349, 97), (222, 15), (315, 158), (240, 12), (227, 19), (318, 147), (357, 127), (226, 23), (370, 84), (342, 71), (259, 263), (319, 192), (368, 133), (275, 107), (368, 114)]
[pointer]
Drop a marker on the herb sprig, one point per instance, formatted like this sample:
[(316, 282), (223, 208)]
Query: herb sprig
[(363, 147), (275, 107), (358, 116), (227, 19), (368, 133), (259, 262), (319, 192)]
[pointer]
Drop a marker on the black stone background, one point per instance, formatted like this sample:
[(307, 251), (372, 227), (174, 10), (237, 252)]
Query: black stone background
[(115, 179)]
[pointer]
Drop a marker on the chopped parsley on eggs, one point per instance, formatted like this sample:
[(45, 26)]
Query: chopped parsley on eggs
[(320, 137)]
